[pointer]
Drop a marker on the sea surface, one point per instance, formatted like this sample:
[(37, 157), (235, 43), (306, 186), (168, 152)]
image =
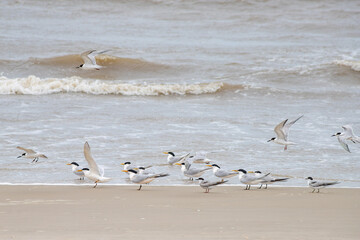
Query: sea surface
[(180, 76)]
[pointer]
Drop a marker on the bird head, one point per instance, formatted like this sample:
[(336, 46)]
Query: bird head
[(272, 139), (170, 153), (73, 163)]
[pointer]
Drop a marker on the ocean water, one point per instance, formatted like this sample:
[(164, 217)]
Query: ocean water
[(181, 76)]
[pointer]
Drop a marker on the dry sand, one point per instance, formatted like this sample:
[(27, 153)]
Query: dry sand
[(227, 212)]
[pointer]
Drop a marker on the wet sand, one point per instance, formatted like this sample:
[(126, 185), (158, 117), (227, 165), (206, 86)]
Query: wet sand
[(227, 212)]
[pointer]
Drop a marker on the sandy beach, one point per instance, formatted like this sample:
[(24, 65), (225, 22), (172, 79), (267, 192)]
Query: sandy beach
[(228, 212)]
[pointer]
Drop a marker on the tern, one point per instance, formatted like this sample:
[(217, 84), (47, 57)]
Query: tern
[(221, 173), (139, 178), (90, 61), (29, 153), (268, 179), (75, 169), (318, 184), (171, 159), (94, 173), (250, 179), (208, 185), (282, 133), (349, 135), (191, 172)]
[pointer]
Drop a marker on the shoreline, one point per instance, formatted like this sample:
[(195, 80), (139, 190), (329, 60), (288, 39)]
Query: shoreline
[(160, 185), (184, 212)]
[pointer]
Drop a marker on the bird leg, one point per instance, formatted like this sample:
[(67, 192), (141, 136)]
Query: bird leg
[(260, 186), (285, 148), (313, 190), (37, 159), (33, 160), (318, 190), (265, 186), (95, 184), (140, 187)]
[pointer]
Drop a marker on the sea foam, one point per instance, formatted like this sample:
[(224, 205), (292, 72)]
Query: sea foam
[(33, 85), (354, 65)]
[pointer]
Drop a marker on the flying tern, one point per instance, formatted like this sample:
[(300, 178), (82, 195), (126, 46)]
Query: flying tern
[(139, 178), (29, 153), (171, 159), (346, 135), (318, 184), (221, 173), (248, 178), (93, 172), (90, 61), (191, 172), (268, 179), (282, 133), (75, 169), (208, 185)]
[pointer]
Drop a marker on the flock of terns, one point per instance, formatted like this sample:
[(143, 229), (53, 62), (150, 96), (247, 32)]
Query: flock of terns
[(140, 175)]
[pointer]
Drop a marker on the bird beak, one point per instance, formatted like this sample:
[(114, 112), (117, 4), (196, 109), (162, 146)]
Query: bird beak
[(208, 165), (178, 163), (235, 170), (122, 163), (136, 168), (333, 135), (269, 140), (165, 153), (250, 172), (19, 156), (125, 170), (79, 170), (68, 164)]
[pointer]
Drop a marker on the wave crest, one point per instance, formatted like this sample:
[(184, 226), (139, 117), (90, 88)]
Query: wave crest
[(33, 85), (354, 65)]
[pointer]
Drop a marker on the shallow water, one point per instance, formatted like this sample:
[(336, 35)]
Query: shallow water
[(181, 76)]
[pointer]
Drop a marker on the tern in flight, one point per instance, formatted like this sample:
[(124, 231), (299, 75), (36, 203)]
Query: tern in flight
[(282, 133)]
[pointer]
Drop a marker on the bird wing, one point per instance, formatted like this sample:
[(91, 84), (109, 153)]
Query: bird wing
[(224, 173), (210, 184), (101, 52), (279, 130), (187, 165), (138, 178), (89, 57), (30, 151), (101, 171), (321, 184), (183, 158), (348, 131), (92, 164), (342, 142), (288, 125)]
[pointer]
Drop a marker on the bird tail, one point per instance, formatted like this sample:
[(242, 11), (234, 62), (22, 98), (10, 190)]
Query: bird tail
[(330, 183), (205, 169), (279, 179), (264, 176), (220, 182), (161, 175)]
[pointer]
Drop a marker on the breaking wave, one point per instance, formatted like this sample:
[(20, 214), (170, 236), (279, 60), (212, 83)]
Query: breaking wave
[(33, 85), (354, 65)]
